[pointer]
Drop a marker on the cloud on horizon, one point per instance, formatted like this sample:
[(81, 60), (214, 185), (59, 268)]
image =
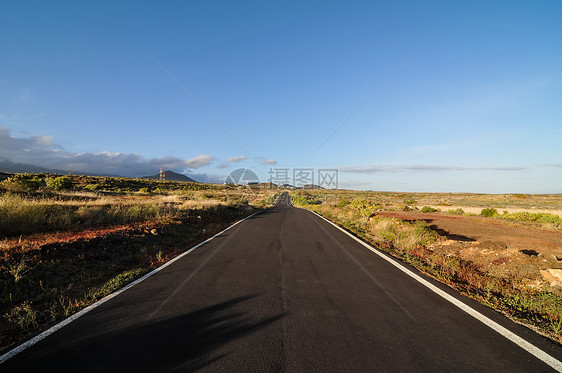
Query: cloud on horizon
[(42, 151), (422, 168), (269, 161), (238, 158)]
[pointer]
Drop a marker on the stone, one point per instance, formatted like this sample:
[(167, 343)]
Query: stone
[(553, 276)]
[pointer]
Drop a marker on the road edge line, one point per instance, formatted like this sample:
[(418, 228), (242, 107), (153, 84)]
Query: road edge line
[(506, 333), (22, 347)]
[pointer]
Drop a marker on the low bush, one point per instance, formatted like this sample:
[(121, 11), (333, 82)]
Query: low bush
[(59, 183), (539, 217), (489, 212), (428, 209)]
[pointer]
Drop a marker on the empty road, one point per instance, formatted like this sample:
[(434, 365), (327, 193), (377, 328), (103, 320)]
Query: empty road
[(283, 291)]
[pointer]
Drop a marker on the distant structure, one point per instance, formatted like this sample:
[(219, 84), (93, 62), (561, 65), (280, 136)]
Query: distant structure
[(162, 174)]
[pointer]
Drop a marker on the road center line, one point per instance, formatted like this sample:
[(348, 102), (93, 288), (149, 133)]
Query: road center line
[(530, 348)]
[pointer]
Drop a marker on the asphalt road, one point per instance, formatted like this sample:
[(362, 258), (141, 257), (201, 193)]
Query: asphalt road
[(282, 291)]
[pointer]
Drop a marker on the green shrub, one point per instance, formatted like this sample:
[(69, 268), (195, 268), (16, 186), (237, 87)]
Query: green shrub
[(489, 212), (410, 201), (458, 211), (539, 217), (93, 187), (428, 209), (59, 183)]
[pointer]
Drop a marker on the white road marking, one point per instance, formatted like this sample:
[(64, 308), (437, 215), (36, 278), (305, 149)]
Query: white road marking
[(532, 349), (70, 319)]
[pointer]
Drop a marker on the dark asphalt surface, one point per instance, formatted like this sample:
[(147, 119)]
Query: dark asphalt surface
[(281, 291)]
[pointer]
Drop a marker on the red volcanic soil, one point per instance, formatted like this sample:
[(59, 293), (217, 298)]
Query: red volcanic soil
[(520, 236)]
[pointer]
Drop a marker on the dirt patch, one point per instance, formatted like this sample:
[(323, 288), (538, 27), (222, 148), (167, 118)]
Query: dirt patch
[(470, 228), (501, 248)]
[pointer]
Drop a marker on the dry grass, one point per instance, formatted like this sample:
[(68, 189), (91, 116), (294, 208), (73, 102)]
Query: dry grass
[(25, 214)]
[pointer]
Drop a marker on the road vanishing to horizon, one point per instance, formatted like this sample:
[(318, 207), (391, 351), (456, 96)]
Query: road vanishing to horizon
[(285, 291)]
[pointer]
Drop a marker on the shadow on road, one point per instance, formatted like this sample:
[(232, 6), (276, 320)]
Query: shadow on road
[(184, 343)]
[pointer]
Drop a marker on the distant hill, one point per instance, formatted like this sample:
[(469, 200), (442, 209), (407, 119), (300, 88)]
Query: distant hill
[(311, 186), (8, 166), (170, 176), (12, 167)]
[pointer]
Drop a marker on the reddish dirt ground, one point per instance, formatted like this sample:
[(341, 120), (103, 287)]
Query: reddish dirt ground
[(518, 236)]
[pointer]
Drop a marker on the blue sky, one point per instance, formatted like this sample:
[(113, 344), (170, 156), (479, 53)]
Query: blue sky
[(475, 108)]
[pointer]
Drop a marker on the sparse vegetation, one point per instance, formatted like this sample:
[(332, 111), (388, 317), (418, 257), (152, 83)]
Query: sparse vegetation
[(540, 217), (23, 183), (21, 215)]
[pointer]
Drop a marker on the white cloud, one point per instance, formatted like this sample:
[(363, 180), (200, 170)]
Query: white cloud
[(270, 161), (422, 168), (236, 158), (199, 161), (222, 165), (42, 151)]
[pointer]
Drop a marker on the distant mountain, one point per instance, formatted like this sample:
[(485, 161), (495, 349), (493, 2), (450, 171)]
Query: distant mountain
[(311, 186), (9, 166), (170, 176)]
